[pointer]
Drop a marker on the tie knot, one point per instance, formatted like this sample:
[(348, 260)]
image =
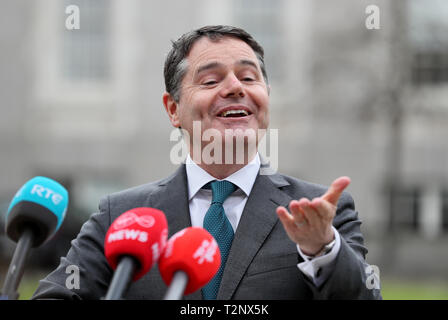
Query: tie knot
[(221, 190)]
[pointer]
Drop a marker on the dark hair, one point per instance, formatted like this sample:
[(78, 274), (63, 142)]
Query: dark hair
[(176, 63)]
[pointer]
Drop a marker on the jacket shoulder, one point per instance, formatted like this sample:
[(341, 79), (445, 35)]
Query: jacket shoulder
[(138, 196)]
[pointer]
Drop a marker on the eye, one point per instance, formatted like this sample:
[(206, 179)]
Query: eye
[(247, 77), (209, 82)]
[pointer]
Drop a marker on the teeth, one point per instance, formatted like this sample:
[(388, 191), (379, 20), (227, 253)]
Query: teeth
[(228, 112)]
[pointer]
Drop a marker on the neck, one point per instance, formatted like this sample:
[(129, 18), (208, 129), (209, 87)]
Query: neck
[(222, 170)]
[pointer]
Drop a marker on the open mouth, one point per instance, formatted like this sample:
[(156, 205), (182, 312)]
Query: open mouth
[(234, 114)]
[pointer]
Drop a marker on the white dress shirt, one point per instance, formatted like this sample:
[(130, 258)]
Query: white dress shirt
[(200, 199)]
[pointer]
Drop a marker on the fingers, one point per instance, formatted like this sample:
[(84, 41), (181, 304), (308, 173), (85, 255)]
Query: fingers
[(309, 213), (337, 187), (284, 215), (297, 212), (323, 208), (293, 219), (287, 221), (306, 212), (308, 223), (294, 228)]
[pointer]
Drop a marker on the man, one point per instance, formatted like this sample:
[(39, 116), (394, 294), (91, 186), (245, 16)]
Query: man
[(215, 77)]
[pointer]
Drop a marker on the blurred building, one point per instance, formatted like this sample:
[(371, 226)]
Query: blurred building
[(84, 106)]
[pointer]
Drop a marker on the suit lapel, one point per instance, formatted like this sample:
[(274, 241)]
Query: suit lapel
[(172, 199), (257, 221)]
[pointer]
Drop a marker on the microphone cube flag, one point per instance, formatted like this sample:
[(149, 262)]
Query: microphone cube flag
[(194, 251), (140, 233)]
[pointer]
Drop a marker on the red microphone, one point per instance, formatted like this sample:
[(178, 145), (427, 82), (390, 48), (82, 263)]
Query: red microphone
[(190, 260), (132, 245)]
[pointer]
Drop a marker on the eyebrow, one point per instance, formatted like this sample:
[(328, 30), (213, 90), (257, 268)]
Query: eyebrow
[(248, 63), (208, 66), (215, 64)]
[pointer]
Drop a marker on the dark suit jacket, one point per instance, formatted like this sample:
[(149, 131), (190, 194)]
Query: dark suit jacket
[(262, 263)]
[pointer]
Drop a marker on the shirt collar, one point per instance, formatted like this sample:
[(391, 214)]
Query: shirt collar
[(243, 178)]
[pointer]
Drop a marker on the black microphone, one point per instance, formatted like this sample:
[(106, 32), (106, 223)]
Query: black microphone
[(35, 214)]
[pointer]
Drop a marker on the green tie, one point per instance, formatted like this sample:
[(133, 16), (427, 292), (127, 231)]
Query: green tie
[(216, 222)]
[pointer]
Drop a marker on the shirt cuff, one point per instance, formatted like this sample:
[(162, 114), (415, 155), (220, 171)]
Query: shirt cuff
[(311, 267)]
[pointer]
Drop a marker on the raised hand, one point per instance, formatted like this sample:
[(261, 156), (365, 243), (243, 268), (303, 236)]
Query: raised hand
[(309, 223)]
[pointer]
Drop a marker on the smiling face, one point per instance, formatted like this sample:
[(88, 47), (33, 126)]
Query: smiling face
[(223, 89)]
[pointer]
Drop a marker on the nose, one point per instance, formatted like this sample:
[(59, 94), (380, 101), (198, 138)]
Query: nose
[(232, 87)]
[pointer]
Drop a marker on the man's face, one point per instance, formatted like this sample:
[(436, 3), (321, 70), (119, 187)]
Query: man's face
[(223, 88)]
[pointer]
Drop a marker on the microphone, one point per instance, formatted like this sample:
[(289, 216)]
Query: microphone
[(35, 214), (132, 245), (190, 260)]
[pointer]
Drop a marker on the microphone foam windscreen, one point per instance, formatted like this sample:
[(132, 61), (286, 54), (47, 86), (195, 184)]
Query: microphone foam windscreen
[(41, 203), (194, 251), (140, 233)]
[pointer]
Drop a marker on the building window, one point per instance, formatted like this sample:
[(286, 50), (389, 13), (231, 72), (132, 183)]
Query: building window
[(404, 208), (430, 68), (86, 51), (263, 19), (427, 29), (445, 210)]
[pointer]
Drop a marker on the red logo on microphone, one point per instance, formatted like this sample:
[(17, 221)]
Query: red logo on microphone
[(129, 218)]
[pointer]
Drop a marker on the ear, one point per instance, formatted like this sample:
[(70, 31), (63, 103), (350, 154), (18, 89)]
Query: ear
[(172, 108)]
